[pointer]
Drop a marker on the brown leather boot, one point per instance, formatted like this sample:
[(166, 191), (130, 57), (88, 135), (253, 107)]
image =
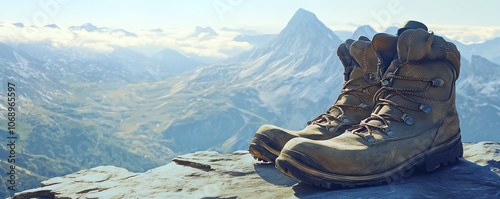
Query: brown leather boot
[(354, 103), (414, 123)]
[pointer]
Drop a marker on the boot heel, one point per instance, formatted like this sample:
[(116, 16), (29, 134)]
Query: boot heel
[(449, 155)]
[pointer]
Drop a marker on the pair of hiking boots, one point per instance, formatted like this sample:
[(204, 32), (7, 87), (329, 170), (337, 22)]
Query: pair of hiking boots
[(396, 112)]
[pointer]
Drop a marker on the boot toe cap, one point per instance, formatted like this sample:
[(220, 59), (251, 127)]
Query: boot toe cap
[(268, 142), (274, 134), (329, 156)]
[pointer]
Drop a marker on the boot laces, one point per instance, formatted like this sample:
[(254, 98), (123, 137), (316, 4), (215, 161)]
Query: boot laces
[(382, 98), (328, 117)]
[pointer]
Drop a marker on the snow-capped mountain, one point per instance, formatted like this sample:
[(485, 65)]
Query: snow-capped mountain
[(75, 63), (52, 26), (365, 30), (301, 57), (343, 34), (391, 30), (63, 124), (87, 27), (478, 99), (489, 49)]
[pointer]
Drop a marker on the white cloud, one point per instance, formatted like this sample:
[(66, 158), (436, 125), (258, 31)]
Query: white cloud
[(220, 46), (464, 34), (216, 46), (178, 39), (467, 34)]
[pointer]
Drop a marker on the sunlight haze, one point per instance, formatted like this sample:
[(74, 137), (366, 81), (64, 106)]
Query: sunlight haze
[(263, 16)]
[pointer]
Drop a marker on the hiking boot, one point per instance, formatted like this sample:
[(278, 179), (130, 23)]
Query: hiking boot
[(414, 123), (354, 103)]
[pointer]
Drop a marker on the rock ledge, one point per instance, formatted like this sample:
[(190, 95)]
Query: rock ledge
[(238, 175)]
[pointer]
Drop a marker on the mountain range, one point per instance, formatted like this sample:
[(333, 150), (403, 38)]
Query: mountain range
[(80, 108), (92, 28)]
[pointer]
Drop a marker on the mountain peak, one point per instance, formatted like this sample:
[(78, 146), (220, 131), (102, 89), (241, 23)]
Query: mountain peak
[(304, 35), (303, 13), (19, 25), (480, 61), (88, 24), (391, 30), (365, 27), (304, 30), (364, 30), (52, 26), (87, 27), (303, 16)]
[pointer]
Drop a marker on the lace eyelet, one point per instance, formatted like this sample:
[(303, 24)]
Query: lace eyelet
[(407, 119), (369, 138), (371, 78), (385, 82), (345, 120), (388, 131), (424, 108), (389, 74), (437, 82), (363, 106)]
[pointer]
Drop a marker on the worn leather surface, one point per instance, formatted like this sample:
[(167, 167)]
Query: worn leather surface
[(417, 45), (353, 154), (385, 46)]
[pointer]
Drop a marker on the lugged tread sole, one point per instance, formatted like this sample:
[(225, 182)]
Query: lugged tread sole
[(428, 163), (262, 151)]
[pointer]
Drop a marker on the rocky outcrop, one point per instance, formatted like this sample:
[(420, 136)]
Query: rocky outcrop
[(238, 175)]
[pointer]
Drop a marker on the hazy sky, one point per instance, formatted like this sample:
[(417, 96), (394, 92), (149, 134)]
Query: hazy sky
[(459, 17)]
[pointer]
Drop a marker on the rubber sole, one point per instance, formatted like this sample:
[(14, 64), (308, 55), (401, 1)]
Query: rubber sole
[(429, 160), (261, 148)]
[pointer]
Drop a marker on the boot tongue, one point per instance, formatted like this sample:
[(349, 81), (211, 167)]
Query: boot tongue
[(345, 58), (364, 69), (387, 109), (356, 72), (363, 72), (352, 70), (385, 45), (394, 69), (360, 66)]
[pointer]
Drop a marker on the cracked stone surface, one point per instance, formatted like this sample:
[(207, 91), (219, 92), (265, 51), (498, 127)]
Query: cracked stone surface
[(238, 175)]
